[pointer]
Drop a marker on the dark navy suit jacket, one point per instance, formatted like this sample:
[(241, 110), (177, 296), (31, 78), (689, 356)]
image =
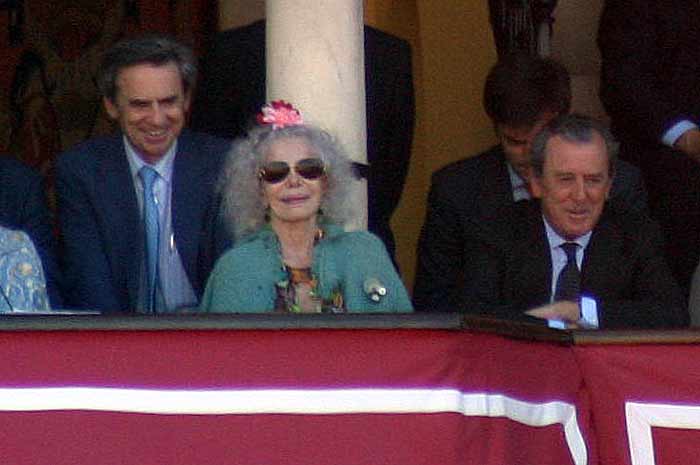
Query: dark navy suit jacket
[(100, 223)]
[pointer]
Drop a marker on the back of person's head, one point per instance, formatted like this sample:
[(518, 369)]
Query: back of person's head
[(157, 50), (521, 87), (574, 128)]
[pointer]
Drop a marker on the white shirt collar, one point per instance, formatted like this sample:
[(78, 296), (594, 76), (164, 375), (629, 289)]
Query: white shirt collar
[(518, 185), (164, 166), (555, 240)]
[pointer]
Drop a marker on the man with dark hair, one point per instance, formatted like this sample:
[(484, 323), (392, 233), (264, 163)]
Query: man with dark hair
[(522, 94), (138, 211), (569, 258)]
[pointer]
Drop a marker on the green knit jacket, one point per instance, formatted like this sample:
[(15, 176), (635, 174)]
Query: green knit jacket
[(244, 278)]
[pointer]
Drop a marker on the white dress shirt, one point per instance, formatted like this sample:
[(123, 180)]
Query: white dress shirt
[(589, 308), (174, 288)]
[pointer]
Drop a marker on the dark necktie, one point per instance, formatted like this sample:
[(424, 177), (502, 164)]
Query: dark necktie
[(569, 280), (152, 232)]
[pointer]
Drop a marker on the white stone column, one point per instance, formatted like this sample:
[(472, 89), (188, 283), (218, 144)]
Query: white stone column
[(315, 60)]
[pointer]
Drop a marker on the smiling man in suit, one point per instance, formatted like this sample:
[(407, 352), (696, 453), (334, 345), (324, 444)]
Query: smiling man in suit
[(522, 94), (569, 258), (137, 210)]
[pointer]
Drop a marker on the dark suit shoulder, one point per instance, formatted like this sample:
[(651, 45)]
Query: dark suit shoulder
[(374, 36), (631, 226), (522, 220), (625, 270), (19, 184), (245, 42), (91, 151), (253, 31), (21, 193), (11, 168), (481, 180), (624, 220), (490, 159), (200, 142)]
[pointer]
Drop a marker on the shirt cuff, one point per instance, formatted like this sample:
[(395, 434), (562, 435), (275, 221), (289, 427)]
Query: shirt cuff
[(589, 313), (589, 316), (556, 324), (671, 136)]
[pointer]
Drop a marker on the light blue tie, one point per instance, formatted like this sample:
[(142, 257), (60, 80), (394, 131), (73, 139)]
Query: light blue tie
[(152, 233)]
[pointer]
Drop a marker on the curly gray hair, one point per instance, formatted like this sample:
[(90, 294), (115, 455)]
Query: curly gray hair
[(243, 201)]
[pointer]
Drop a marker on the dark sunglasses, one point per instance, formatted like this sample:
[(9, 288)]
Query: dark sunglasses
[(277, 171)]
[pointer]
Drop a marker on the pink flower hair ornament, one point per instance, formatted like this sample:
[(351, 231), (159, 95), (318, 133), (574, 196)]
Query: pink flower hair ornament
[(279, 114)]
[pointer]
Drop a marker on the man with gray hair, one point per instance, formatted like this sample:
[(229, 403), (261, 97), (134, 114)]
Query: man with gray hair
[(569, 259), (522, 93), (137, 210)]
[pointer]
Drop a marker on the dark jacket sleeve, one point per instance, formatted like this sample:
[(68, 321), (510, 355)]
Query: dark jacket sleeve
[(649, 64), (88, 278), (457, 213), (440, 258), (217, 227), (650, 297), (23, 198), (390, 122)]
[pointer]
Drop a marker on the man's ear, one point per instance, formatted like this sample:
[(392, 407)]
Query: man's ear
[(111, 108), (535, 184), (188, 100), (610, 183)]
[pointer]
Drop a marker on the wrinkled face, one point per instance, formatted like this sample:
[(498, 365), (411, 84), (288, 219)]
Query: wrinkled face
[(150, 106), (574, 185), (294, 199), (517, 141)]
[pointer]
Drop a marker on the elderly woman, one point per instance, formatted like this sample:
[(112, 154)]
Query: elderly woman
[(286, 194)]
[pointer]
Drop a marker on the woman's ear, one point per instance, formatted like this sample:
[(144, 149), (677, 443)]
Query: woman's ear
[(263, 196)]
